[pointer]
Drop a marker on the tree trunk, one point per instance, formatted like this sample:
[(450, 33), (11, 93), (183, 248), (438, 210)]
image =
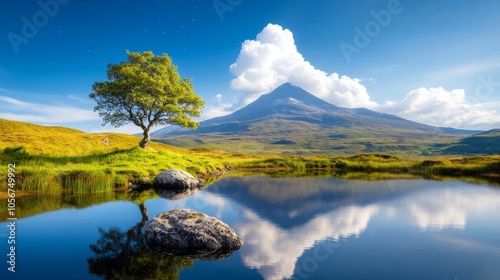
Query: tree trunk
[(145, 141), (144, 212)]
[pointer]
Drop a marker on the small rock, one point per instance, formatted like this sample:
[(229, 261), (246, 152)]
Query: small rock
[(105, 141), (184, 232)]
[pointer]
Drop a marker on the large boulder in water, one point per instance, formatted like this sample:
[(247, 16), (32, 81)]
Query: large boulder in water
[(184, 232), (172, 182)]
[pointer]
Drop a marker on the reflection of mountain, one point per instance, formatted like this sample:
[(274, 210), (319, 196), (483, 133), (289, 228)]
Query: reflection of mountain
[(281, 220), (290, 202), (274, 251)]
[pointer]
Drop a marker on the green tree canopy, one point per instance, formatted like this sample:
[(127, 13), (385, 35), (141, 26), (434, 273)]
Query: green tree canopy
[(147, 91)]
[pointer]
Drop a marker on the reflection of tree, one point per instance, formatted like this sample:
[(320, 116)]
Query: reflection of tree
[(125, 255)]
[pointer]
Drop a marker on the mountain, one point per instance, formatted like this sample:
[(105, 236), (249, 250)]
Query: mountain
[(487, 143), (290, 120)]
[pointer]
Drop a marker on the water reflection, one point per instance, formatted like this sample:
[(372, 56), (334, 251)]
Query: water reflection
[(398, 229), (175, 194), (274, 251), (448, 207), (125, 255), (280, 219)]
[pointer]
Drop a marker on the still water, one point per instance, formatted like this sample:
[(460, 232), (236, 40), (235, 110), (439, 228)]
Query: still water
[(293, 228)]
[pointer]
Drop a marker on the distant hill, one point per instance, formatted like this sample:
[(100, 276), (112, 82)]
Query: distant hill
[(290, 120), (487, 143)]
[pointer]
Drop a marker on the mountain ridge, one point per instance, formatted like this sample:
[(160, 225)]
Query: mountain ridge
[(486, 143), (292, 117)]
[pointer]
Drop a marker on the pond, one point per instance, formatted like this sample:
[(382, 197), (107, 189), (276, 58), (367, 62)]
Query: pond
[(293, 228)]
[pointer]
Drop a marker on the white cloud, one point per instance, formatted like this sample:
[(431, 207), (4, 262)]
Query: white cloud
[(126, 129), (274, 251), (273, 59), (78, 98), (13, 109), (43, 114), (464, 70), (217, 108), (439, 107)]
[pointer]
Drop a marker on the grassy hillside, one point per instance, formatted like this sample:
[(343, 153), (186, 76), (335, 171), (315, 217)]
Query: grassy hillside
[(51, 158), (305, 139), (487, 143), (56, 141)]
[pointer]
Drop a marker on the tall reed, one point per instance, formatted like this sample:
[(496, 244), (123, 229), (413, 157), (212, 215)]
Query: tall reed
[(88, 182), (40, 181)]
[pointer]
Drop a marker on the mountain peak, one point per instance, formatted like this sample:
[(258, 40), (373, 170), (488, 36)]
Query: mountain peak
[(291, 94), (286, 86), (288, 90), (296, 119), (286, 101)]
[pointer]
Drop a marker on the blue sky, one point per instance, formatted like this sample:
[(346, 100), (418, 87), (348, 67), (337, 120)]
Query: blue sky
[(433, 62)]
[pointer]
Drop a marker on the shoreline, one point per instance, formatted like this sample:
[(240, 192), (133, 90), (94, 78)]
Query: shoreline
[(96, 175)]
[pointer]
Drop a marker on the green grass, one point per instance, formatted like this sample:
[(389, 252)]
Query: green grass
[(483, 143), (291, 137), (52, 160), (103, 172), (466, 166)]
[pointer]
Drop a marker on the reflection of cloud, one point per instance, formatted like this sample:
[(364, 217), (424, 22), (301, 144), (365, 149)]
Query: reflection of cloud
[(470, 245), (274, 251), (203, 201), (444, 208)]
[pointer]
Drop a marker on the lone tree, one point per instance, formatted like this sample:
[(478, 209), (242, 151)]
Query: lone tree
[(146, 90)]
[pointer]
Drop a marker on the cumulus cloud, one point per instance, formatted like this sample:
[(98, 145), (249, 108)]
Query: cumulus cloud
[(273, 59), (217, 108), (440, 107)]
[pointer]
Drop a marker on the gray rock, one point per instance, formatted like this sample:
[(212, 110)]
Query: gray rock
[(184, 232), (176, 180), (175, 194)]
